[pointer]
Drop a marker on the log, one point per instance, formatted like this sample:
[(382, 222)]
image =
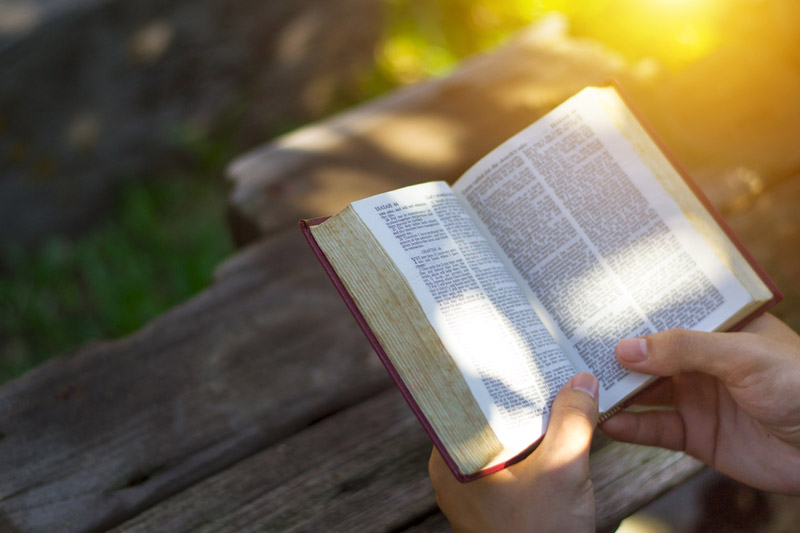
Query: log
[(93, 438), (736, 136), (265, 373), (434, 130)]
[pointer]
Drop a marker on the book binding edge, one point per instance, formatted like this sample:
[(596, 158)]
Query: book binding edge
[(305, 227)]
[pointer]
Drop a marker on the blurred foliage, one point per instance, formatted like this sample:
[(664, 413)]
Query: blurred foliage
[(427, 37), (167, 234), (157, 249)]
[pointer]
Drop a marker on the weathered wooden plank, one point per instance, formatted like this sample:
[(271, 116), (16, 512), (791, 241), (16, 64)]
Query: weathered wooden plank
[(91, 439), (627, 477), (434, 130), (364, 469), (361, 470), (436, 523)]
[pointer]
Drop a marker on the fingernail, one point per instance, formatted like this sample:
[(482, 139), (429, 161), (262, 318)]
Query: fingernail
[(585, 382), (632, 350)]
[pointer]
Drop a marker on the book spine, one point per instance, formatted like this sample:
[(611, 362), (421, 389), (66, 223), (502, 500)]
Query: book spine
[(305, 226)]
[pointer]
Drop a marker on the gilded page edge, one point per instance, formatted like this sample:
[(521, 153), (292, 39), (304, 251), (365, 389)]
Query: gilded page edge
[(409, 340)]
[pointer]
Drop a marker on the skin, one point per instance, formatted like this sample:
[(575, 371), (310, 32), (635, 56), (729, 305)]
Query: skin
[(730, 399), (550, 490), (734, 399)]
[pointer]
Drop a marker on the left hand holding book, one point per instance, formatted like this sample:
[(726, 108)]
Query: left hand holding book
[(550, 490), (733, 398)]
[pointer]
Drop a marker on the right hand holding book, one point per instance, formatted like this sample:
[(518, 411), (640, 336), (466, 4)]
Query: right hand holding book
[(550, 490), (734, 398)]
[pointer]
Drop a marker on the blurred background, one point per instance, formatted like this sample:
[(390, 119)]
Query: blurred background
[(117, 120)]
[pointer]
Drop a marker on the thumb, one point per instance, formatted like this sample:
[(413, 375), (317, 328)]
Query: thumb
[(572, 421), (727, 356)]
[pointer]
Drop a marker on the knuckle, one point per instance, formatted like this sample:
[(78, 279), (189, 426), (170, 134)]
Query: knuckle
[(758, 346), (759, 361)]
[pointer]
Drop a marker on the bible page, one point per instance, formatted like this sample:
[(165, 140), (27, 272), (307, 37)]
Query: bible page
[(601, 249), (509, 359)]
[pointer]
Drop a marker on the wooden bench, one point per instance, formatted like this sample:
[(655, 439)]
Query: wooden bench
[(258, 405)]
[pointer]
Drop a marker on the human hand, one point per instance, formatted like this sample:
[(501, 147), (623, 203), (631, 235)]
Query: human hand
[(736, 399), (549, 490)]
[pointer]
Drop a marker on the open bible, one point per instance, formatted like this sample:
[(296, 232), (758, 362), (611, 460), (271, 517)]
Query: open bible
[(485, 297)]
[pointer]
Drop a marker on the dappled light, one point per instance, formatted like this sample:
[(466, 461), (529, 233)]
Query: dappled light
[(18, 17), (716, 77), (426, 137), (155, 158), (484, 331), (149, 43), (673, 32)]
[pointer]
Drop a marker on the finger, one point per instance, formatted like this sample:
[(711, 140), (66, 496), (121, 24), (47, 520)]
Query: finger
[(727, 356), (651, 428), (572, 420), (659, 394)]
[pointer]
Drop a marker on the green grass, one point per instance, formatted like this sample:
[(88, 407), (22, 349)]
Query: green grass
[(158, 248)]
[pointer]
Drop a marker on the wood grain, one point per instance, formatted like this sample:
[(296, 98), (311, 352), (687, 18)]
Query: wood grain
[(365, 469), (627, 477), (93, 438)]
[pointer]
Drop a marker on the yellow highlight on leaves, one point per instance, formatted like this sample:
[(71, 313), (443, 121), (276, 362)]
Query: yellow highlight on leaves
[(403, 59)]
